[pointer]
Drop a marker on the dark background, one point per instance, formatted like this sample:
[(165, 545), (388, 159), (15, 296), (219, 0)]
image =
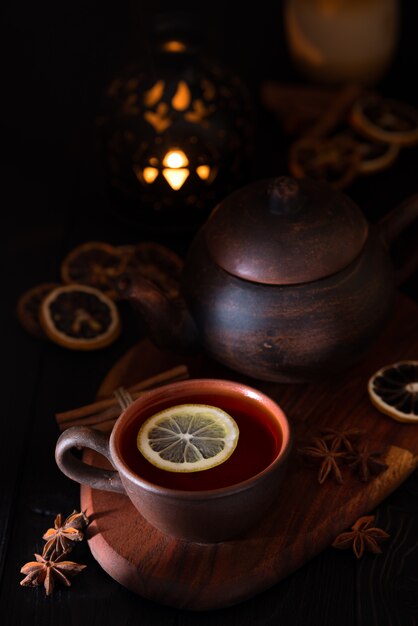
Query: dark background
[(58, 57), (56, 60)]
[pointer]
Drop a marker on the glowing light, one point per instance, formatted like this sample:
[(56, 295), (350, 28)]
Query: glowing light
[(175, 159), (182, 98), (174, 46), (176, 177), (203, 171), (154, 95), (150, 174)]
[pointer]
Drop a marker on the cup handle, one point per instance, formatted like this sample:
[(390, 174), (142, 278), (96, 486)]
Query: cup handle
[(83, 437)]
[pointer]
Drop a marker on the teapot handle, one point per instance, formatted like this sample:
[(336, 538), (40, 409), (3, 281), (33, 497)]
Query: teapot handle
[(392, 226)]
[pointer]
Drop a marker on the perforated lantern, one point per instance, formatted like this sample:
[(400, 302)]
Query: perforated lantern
[(177, 135)]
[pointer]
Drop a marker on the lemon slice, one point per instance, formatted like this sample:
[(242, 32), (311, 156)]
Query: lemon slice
[(385, 119), (28, 308), (95, 264), (79, 317), (157, 263), (331, 159), (188, 438), (394, 391)]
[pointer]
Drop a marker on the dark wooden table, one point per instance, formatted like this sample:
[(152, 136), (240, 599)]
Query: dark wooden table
[(56, 199)]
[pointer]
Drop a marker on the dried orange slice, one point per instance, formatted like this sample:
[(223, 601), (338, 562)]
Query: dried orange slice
[(79, 317), (375, 155), (394, 391), (156, 263), (384, 119), (188, 438), (96, 264), (28, 308), (333, 160)]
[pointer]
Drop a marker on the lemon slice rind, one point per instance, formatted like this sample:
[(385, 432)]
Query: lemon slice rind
[(361, 120), (188, 438), (381, 405), (50, 328)]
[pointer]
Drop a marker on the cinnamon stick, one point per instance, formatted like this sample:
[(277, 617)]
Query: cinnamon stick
[(109, 409), (105, 427)]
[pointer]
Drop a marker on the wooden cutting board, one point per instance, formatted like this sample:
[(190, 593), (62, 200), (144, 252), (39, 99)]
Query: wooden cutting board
[(307, 516)]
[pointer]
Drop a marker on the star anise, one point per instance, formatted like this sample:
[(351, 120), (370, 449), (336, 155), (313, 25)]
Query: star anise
[(61, 537), (342, 438), (77, 520), (366, 463), (328, 455), (46, 570), (363, 536)]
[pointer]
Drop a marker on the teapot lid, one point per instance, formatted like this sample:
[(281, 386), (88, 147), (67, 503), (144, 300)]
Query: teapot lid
[(285, 231)]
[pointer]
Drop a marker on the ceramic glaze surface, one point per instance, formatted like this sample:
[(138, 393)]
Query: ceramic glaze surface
[(292, 332), (304, 292), (210, 515)]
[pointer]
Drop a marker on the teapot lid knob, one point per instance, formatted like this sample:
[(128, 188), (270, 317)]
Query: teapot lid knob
[(284, 196), (284, 231)]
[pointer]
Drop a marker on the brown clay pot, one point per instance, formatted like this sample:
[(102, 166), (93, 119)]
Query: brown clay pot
[(286, 281)]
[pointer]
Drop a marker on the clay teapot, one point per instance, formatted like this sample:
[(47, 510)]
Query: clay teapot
[(286, 281)]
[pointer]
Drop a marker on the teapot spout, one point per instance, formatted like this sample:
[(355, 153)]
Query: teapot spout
[(168, 321)]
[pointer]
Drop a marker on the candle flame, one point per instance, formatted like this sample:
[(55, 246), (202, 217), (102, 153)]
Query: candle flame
[(203, 171), (150, 174), (176, 177), (175, 159)]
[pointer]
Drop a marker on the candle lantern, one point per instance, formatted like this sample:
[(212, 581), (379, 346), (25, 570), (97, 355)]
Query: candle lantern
[(177, 133)]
